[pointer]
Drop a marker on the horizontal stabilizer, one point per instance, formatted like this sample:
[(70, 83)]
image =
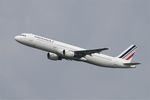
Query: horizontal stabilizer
[(132, 63)]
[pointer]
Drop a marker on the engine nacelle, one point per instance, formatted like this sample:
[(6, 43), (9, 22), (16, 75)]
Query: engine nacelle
[(67, 53), (53, 56)]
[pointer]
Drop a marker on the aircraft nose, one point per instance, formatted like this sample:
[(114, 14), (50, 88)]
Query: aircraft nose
[(17, 38)]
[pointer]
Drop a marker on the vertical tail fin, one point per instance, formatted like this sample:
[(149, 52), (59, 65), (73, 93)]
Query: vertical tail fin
[(128, 53)]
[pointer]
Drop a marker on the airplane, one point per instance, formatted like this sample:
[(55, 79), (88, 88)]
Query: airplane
[(58, 50)]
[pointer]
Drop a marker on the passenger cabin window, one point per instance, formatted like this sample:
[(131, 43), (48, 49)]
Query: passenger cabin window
[(42, 38)]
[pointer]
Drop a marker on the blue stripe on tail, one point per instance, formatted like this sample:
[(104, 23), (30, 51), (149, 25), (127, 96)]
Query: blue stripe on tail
[(127, 51)]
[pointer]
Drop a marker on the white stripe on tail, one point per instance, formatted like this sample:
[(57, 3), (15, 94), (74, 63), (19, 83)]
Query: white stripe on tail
[(128, 53)]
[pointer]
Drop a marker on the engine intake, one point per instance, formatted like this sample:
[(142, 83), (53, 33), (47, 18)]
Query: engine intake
[(53, 56), (67, 53)]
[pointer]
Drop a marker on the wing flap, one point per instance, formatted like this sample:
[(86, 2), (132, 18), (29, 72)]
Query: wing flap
[(83, 53)]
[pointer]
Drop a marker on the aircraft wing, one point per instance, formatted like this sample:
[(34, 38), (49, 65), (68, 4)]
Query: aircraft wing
[(83, 53)]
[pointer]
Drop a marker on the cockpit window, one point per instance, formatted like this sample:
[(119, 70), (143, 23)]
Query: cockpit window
[(23, 35)]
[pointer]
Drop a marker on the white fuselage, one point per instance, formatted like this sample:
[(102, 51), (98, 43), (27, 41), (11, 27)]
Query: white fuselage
[(57, 47)]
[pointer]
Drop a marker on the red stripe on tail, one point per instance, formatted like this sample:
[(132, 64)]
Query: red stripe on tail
[(130, 56)]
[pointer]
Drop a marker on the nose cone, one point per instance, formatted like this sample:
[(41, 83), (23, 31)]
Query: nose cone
[(17, 38)]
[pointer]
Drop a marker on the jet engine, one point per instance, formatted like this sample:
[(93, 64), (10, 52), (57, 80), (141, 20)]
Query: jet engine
[(68, 54), (53, 56)]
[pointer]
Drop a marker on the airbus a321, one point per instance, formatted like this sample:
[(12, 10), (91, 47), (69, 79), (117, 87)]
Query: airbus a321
[(58, 50)]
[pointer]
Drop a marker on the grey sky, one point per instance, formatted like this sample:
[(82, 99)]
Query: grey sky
[(26, 73)]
